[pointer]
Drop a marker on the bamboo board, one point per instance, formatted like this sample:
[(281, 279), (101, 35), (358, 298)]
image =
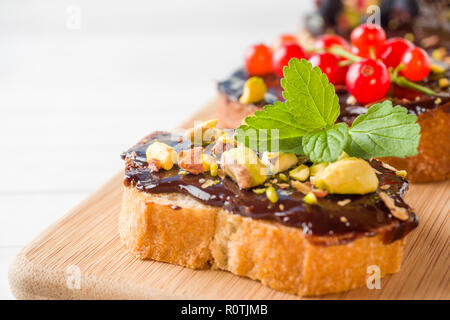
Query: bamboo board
[(81, 257)]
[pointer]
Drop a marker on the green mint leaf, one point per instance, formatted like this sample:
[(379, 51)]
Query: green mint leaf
[(326, 145), (384, 131), (274, 124), (311, 104), (310, 95)]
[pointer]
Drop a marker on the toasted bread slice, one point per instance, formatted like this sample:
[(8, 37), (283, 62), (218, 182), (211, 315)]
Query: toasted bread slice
[(177, 229), (200, 221)]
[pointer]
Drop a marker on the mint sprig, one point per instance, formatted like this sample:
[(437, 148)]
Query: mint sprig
[(326, 145), (309, 95), (384, 131), (304, 123)]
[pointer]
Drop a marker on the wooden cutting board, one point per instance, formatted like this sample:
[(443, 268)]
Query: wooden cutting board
[(81, 257)]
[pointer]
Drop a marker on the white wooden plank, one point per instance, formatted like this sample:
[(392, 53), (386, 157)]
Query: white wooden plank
[(24, 216), (7, 254), (57, 170)]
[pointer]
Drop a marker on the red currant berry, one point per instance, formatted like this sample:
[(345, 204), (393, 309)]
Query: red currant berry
[(283, 39), (283, 54), (258, 60), (368, 37), (328, 63), (417, 64), (368, 80), (393, 51), (328, 41)]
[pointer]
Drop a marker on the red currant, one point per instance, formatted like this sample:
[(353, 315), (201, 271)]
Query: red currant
[(328, 41), (368, 38), (283, 54), (258, 60), (283, 39), (368, 80), (393, 51), (328, 63), (416, 64)]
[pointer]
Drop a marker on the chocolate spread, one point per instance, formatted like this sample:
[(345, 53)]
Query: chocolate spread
[(326, 223)]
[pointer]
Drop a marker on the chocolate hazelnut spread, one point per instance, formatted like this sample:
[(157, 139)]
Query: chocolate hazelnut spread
[(325, 223)]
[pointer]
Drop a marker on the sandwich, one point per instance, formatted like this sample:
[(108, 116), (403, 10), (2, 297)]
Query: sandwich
[(299, 203)]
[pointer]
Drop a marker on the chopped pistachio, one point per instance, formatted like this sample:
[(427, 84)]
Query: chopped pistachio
[(271, 194), (439, 54), (161, 155), (214, 168), (401, 173), (385, 186), (208, 183), (410, 36), (254, 91), (301, 186), (315, 168), (436, 69), (283, 177), (207, 161), (300, 173), (347, 176), (310, 198), (204, 133), (443, 83), (351, 100), (243, 166), (278, 161), (259, 190)]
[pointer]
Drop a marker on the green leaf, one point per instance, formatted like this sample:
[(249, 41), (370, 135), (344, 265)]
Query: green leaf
[(273, 125), (311, 104), (326, 145), (384, 131), (309, 95)]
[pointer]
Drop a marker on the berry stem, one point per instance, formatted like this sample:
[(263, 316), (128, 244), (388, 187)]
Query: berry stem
[(341, 52), (403, 82), (399, 80)]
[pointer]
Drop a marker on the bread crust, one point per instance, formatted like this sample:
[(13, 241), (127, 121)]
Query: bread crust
[(432, 163), (178, 229)]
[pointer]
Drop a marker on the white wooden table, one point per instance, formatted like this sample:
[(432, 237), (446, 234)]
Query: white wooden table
[(71, 99)]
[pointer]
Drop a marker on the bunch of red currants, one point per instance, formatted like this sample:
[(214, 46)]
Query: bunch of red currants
[(367, 67)]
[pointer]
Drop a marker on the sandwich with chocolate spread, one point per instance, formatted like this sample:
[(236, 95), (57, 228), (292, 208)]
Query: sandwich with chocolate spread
[(298, 203), (369, 69)]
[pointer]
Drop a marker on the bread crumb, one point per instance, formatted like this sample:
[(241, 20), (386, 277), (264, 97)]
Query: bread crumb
[(385, 187), (343, 219)]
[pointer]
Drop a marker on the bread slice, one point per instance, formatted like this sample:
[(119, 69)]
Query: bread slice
[(178, 229)]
